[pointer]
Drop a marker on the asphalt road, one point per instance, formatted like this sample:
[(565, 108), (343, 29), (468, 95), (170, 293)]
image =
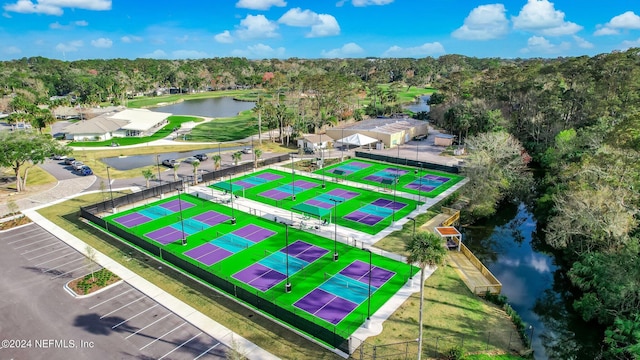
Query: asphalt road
[(41, 320)]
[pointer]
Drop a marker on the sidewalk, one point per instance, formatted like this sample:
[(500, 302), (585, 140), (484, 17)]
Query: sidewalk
[(188, 313)]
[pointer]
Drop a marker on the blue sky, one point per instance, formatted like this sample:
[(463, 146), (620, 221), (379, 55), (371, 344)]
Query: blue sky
[(257, 29)]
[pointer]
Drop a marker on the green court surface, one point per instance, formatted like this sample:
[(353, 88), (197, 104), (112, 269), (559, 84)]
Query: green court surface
[(359, 209), (233, 258), (410, 180)]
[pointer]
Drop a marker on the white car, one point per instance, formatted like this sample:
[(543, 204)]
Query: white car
[(191, 159), (247, 150)]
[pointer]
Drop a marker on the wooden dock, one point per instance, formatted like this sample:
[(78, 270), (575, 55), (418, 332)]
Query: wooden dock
[(471, 270)]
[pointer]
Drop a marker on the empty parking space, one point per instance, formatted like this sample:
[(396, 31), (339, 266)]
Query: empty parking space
[(120, 321)]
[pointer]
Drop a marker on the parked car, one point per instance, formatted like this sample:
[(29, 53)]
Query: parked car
[(309, 150), (247, 150), (77, 165), (201, 157), (420, 137), (69, 160), (58, 157), (191, 159), (85, 170), (170, 162)]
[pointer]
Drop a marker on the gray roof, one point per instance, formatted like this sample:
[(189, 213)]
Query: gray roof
[(385, 126), (97, 125)]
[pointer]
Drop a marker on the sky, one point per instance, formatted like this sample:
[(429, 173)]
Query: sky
[(264, 29)]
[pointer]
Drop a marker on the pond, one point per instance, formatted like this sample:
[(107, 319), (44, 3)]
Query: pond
[(210, 107), (512, 249), (419, 105)]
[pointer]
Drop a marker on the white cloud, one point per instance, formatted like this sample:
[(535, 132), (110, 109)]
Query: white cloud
[(426, 49), (57, 26), (582, 42), (540, 16), (630, 44), (54, 7), (298, 17), (260, 51), (189, 54), (157, 54), (538, 44), (321, 24), (347, 50), (11, 50), (224, 37), (627, 21), (182, 39), (328, 26), (103, 43), (130, 39), (484, 23), (260, 4), (360, 3), (69, 46), (257, 27), (81, 23)]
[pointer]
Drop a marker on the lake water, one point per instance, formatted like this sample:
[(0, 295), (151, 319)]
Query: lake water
[(211, 107), (419, 105), (512, 249)]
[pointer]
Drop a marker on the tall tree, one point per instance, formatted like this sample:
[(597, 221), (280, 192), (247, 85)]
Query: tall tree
[(427, 250)]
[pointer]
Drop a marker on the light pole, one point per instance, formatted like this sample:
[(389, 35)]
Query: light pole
[(322, 161), (110, 190), (342, 146), (369, 298), (395, 185), (419, 180), (335, 227), (287, 287), (293, 181), (233, 217), (158, 166), (184, 239), (414, 235)]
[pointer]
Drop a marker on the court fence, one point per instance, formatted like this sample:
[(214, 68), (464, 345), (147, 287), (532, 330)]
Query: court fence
[(408, 162)]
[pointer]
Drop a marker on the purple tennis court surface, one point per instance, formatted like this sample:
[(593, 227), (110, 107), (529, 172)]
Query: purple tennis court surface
[(165, 235), (208, 254), (345, 194), (441, 179), (304, 184), (416, 185), (390, 204), (176, 205), (386, 174), (260, 277), (244, 184), (254, 233), (325, 305), (269, 176), (350, 168), (133, 219), (318, 203), (305, 251), (364, 218), (212, 218), (359, 270), (275, 194)]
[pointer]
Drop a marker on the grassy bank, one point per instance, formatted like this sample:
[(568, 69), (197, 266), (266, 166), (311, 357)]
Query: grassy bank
[(233, 128)]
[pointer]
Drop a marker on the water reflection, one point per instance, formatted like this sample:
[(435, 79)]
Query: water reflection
[(211, 107), (419, 105), (537, 289)]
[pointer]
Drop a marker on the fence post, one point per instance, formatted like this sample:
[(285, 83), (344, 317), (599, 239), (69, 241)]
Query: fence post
[(488, 337), (374, 352)]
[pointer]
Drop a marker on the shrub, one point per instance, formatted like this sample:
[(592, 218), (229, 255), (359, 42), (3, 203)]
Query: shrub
[(455, 353)]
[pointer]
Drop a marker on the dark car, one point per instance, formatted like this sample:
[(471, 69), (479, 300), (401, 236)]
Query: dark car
[(420, 137), (69, 161), (170, 162), (308, 150), (85, 170), (201, 157)]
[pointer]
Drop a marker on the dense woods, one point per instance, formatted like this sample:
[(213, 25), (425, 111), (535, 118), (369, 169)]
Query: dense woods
[(576, 120)]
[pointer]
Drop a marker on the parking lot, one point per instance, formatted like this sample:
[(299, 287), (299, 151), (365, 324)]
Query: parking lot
[(42, 320)]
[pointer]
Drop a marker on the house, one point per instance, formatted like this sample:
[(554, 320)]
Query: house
[(389, 131), (444, 139), (314, 141), (126, 123)]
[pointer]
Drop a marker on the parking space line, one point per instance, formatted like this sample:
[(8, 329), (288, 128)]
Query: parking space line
[(122, 307), (165, 334), (147, 326), (109, 299), (29, 244), (67, 263), (30, 251), (22, 238), (50, 252), (70, 271), (131, 318), (206, 352), (56, 258), (179, 346)]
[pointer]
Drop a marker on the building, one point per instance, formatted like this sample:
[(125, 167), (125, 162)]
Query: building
[(443, 139), (126, 123), (314, 141), (389, 131)]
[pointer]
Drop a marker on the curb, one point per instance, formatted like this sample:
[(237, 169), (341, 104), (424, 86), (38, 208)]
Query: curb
[(75, 295)]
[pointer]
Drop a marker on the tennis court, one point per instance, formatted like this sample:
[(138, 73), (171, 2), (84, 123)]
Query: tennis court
[(133, 219), (260, 179), (349, 168), (412, 180), (326, 200), (376, 211), (286, 190)]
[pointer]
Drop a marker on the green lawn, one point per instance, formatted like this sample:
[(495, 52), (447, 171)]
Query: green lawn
[(411, 176), (234, 128), (303, 281), (174, 122), (363, 198)]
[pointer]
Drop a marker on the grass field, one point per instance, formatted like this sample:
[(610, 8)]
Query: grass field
[(233, 128), (411, 177), (343, 209), (303, 281)]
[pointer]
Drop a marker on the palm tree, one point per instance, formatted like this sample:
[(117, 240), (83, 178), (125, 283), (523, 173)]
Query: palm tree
[(258, 154), (148, 175), (175, 171), (426, 249), (216, 161), (195, 165), (237, 157)]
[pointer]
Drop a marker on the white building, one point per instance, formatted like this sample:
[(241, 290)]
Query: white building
[(126, 123)]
